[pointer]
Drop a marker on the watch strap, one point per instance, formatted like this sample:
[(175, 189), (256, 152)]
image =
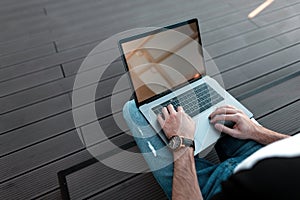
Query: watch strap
[(188, 142)]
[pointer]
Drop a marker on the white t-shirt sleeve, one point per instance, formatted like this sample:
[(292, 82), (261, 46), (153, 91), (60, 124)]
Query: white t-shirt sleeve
[(289, 147)]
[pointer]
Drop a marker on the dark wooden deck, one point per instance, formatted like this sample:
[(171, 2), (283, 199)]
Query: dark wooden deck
[(43, 42)]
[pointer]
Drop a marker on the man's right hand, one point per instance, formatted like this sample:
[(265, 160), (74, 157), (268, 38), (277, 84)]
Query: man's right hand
[(244, 127)]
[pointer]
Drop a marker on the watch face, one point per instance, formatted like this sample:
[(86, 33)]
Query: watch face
[(175, 142)]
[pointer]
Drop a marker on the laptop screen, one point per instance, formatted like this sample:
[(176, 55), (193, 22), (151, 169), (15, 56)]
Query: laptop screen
[(162, 60)]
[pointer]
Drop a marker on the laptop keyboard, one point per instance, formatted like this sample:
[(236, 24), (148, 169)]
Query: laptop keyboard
[(193, 101)]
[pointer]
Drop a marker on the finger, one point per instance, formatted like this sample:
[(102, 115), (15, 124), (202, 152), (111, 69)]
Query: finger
[(171, 109), (160, 120), (217, 118), (165, 112), (231, 107), (224, 129), (180, 109), (222, 111), (228, 106)]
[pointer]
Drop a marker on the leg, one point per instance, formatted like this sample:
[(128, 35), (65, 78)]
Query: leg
[(160, 162), (229, 147)]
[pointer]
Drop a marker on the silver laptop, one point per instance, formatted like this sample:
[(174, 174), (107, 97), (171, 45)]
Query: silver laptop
[(166, 66)]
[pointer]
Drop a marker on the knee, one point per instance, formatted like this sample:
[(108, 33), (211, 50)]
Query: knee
[(132, 115)]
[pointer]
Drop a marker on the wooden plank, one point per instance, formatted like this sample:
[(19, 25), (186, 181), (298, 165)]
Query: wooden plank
[(73, 9), (37, 182), (252, 37), (265, 82), (105, 31), (31, 80), (43, 179), (261, 67), (59, 87), (71, 68), (59, 8), (273, 98), (35, 133), (104, 107), (60, 104), (244, 56), (89, 184), (26, 55), (44, 62), (56, 194), (289, 38), (106, 89), (30, 114), (140, 187), (36, 94), (61, 123), (254, 52), (25, 42), (59, 26), (278, 15), (19, 46), (12, 5), (111, 126), (24, 27), (279, 120), (243, 9), (215, 24), (93, 34), (227, 32), (242, 3), (8, 16), (48, 151), (6, 3)]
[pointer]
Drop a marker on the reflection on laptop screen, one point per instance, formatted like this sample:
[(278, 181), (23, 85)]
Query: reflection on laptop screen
[(163, 60)]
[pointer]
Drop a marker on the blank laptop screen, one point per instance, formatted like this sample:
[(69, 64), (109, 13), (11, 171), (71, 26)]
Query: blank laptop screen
[(164, 60)]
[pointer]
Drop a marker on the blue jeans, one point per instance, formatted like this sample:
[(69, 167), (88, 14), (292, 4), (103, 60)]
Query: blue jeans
[(159, 158)]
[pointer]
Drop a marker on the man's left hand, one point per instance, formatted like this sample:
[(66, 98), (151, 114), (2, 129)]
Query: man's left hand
[(176, 122)]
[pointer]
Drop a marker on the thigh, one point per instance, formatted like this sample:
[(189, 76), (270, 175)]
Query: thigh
[(229, 147), (151, 146)]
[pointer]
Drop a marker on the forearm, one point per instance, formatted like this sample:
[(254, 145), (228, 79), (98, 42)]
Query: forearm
[(185, 181), (265, 136)]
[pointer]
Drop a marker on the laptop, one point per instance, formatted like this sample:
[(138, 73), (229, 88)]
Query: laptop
[(166, 66)]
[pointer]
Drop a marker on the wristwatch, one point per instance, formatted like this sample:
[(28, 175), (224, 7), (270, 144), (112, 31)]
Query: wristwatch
[(176, 142)]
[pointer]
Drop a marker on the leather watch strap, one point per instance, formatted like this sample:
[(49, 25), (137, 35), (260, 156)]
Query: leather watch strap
[(188, 142)]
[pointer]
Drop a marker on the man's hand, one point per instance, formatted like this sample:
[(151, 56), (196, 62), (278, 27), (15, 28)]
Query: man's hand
[(244, 128), (176, 122)]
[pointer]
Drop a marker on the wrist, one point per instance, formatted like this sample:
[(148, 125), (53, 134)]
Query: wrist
[(177, 142), (183, 152), (258, 131), (265, 136)]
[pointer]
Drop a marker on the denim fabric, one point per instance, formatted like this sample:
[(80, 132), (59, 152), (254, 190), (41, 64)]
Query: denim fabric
[(230, 150)]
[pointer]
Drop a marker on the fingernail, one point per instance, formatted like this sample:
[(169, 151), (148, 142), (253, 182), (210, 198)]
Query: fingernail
[(209, 117)]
